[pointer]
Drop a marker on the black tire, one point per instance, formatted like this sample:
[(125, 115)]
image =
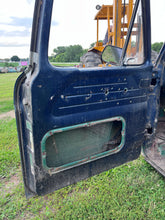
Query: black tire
[(91, 59)]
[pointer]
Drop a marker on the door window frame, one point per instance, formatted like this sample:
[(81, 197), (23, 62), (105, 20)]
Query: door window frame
[(146, 32)]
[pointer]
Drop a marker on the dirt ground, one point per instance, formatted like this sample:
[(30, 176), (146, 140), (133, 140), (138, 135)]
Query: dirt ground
[(7, 114)]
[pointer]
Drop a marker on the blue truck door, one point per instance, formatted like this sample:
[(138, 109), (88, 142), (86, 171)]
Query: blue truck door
[(74, 123)]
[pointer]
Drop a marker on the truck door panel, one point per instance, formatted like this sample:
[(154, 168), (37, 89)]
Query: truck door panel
[(74, 123)]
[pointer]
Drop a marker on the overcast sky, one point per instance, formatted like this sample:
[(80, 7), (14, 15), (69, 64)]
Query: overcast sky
[(16, 21)]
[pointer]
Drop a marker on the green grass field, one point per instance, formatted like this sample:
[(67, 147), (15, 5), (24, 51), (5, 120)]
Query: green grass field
[(64, 64), (4, 64), (132, 191), (7, 82)]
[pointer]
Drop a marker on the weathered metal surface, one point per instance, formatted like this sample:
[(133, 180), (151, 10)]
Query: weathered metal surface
[(49, 99)]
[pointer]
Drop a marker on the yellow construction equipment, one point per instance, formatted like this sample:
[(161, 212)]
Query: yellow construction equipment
[(118, 16)]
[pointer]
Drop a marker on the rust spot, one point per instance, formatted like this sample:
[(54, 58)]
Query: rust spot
[(57, 168), (55, 146), (84, 160), (52, 170), (58, 131), (44, 153), (93, 157)]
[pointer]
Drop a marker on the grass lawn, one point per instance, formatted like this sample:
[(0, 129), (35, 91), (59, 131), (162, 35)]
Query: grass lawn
[(132, 191), (9, 64), (64, 64), (7, 82), (9, 153)]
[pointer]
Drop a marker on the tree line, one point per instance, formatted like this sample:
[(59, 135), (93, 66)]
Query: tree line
[(157, 46), (73, 53), (70, 53)]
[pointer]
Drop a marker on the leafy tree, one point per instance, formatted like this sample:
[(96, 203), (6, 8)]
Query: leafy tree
[(70, 53), (60, 58), (52, 58), (73, 53), (157, 46), (15, 58), (60, 49)]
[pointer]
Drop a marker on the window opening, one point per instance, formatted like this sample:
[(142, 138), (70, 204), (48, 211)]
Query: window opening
[(79, 34), (135, 49)]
